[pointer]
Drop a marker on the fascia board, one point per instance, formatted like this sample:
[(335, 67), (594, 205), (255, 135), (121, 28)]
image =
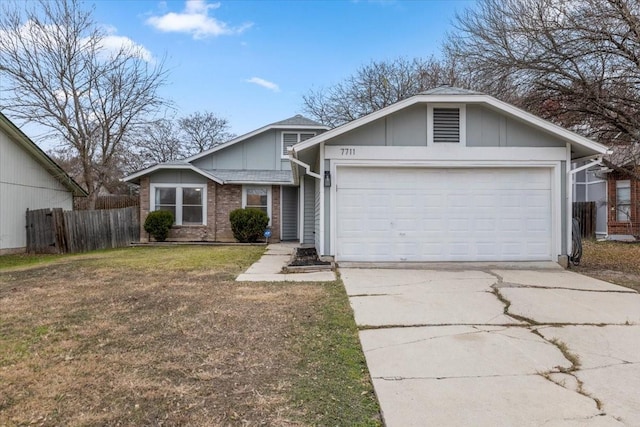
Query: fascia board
[(156, 168)]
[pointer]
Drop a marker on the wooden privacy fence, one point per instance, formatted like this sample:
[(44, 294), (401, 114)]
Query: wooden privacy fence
[(585, 213), (57, 231), (111, 201)]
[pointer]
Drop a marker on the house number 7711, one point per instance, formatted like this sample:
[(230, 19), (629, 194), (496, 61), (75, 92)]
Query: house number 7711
[(348, 151)]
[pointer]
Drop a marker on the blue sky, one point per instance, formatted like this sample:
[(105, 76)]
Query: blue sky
[(214, 49), (252, 61)]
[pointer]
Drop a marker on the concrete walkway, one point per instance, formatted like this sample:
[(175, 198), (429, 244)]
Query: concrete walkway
[(269, 267), (498, 347)]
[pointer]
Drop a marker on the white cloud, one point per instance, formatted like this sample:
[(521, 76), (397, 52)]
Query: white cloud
[(32, 34), (264, 83), (113, 43), (195, 20)]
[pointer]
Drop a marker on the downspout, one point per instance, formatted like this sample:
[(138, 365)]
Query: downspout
[(306, 167)]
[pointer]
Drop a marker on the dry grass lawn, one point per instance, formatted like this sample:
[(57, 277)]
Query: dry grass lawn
[(616, 262), (164, 336)]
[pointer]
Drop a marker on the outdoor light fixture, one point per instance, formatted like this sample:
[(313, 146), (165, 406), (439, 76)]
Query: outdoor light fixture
[(327, 179)]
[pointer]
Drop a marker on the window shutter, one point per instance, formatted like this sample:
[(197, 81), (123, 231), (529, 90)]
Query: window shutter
[(288, 140), (446, 125), (305, 136)]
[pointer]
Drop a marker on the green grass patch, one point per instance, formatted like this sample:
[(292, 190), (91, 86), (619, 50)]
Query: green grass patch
[(334, 387), (17, 344), (26, 260), (156, 258), (181, 258)]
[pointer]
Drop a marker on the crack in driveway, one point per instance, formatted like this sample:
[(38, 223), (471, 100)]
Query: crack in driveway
[(572, 358), (549, 359)]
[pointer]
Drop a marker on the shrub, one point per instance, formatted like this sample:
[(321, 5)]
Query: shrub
[(248, 225), (158, 224)]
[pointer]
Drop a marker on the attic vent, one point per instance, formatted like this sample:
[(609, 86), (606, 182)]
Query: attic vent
[(446, 125), (290, 138)]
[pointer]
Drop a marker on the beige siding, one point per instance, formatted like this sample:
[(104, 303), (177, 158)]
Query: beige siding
[(24, 184)]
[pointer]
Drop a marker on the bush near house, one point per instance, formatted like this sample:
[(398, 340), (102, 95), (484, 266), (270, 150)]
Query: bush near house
[(158, 224), (248, 225)]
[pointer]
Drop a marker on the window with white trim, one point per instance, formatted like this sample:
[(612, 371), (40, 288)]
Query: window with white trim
[(289, 139), (185, 201), (257, 197), (446, 124), (623, 200)]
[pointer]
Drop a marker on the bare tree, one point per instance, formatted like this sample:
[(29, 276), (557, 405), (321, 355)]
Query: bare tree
[(57, 71), (576, 63), (68, 160), (158, 142), (202, 131), (375, 86)]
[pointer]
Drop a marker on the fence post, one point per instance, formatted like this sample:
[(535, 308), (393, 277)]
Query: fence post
[(59, 230)]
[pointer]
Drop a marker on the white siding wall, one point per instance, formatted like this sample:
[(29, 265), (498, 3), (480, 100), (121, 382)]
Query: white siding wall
[(24, 184)]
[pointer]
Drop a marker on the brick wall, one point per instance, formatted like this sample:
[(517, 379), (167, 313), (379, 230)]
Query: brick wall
[(228, 198), (221, 200), (275, 213), (623, 227)]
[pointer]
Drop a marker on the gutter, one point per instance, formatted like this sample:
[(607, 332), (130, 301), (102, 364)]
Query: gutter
[(596, 161), (307, 168)]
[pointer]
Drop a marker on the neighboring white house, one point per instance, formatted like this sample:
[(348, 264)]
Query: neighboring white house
[(29, 179)]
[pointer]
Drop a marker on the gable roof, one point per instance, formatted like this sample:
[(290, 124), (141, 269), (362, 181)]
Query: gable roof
[(40, 156), (449, 90), (295, 122), (298, 120), (448, 94)]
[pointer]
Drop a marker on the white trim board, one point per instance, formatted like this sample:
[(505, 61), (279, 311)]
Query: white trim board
[(444, 152)]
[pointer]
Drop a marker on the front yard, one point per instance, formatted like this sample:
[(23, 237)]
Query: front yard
[(165, 336), (615, 262)]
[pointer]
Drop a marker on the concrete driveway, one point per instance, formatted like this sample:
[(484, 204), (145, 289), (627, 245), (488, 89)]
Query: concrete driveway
[(498, 347)]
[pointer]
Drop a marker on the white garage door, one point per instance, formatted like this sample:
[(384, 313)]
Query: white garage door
[(419, 214)]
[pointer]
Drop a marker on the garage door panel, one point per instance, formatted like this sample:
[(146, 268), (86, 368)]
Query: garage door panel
[(421, 214)]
